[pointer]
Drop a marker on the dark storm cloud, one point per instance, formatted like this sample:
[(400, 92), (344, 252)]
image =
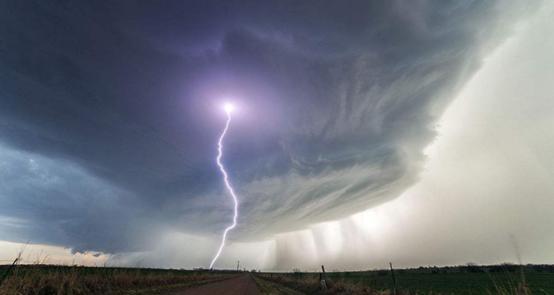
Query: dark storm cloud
[(120, 102)]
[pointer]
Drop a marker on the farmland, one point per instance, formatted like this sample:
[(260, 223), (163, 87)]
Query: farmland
[(496, 279)]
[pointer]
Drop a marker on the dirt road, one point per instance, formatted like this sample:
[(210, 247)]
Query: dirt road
[(242, 285)]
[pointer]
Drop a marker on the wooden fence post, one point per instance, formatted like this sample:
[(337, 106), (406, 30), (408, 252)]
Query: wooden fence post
[(323, 278), (393, 279), (10, 269)]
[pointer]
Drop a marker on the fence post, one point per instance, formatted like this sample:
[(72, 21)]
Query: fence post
[(9, 270), (322, 278), (393, 279)]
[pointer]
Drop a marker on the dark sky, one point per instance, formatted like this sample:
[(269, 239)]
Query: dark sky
[(110, 111)]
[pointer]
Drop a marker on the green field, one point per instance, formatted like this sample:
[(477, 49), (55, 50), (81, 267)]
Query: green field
[(449, 280), (457, 283)]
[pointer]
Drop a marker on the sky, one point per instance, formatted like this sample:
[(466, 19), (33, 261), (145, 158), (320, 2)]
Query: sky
[(415, 132)]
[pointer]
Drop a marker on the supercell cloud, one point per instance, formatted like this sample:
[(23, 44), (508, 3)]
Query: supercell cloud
[(109, 111)]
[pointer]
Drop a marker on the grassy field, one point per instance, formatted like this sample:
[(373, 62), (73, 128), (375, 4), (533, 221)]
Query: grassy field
[(499, 279), (457, 283), (49, 279)]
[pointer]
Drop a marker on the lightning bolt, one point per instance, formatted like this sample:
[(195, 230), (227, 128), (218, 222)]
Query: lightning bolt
[(228, 110)]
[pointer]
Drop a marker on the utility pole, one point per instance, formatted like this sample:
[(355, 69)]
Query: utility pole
[(238, 265)]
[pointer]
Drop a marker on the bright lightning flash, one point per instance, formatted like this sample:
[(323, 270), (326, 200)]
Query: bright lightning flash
[(228, 110)]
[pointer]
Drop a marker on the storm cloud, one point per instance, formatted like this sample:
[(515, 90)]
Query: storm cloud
[(109, 112)]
